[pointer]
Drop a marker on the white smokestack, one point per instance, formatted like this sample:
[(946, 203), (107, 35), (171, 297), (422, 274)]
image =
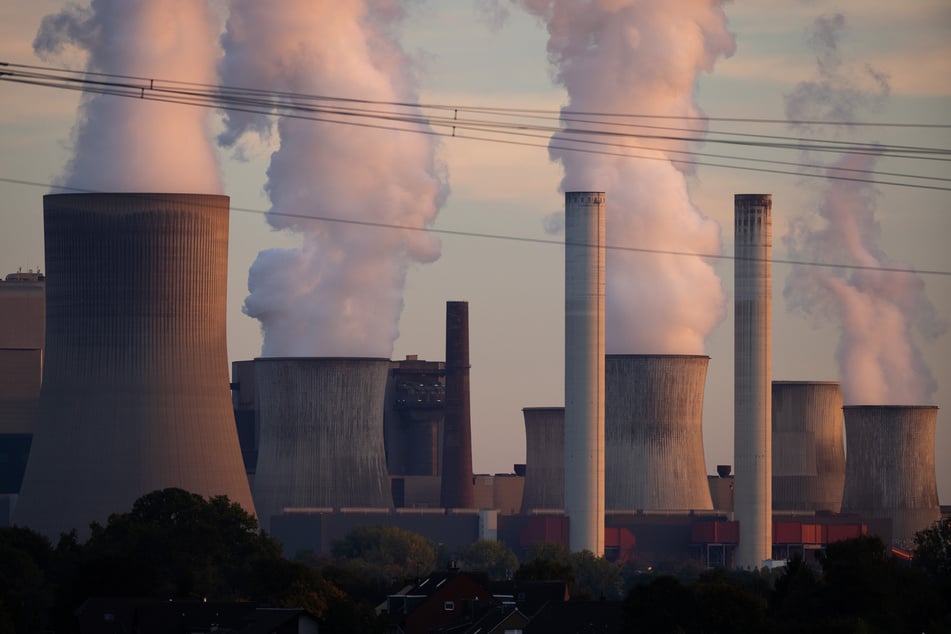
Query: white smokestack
[(125, 144), (643, 57), (877, 311), (584, 370), (341, 292)]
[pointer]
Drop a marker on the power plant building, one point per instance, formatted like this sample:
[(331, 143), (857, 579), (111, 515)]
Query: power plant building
[(413, 417), (584, 369), (321, 434), (135, 375), (544, 458), (752, 442), (654, 433), (890, 467), (808, 446)]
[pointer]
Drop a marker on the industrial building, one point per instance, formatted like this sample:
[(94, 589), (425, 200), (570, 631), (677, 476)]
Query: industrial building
[(22, 335), (135, 369), (413, 417), (134, 398), (653, 433)]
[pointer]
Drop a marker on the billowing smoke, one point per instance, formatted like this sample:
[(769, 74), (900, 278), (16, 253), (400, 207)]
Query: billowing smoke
[(125, 144), (877, 311), (642, 57), (340, 293)]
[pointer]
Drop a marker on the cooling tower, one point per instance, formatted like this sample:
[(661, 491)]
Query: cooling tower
[(890, 467), (321, 434), (584, 370), (135, 378), (752, 444), (654, 433), (808, 446), (457, 491), (544, 458)]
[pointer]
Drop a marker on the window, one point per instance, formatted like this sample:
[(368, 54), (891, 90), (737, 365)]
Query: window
[(449, 606)]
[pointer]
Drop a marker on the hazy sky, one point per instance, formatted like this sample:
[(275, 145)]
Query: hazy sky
[(470, 54)]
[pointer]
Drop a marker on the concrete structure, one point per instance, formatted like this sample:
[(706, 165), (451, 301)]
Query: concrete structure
[(584, 369), (753, 333), (808, 446), (135, 377), (321, 434), (654, 433), (244, 402), (502, 492), (890, 467), (456, 465), (22, 335), (413, 417), (544, 458)]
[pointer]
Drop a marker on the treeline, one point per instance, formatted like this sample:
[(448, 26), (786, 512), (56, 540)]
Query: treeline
[(177, 545)]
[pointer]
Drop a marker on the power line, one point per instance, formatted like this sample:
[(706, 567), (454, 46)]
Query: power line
[(275, 103), (525, 239)]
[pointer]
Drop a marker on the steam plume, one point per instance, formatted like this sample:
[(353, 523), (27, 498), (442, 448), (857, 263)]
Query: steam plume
[(340, 293), (642, 56), (136, 145), (877, 311)]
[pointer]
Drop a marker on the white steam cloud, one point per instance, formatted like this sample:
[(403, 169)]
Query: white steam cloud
[(642, 57), (877, 311), (341, 292), (124, 144)]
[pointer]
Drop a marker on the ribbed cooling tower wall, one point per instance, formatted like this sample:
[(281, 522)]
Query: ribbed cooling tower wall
[(457, 489), (753, 331), (584, 370), (135, 381), (890, 467), (321, 442), (808, 446), (544, 458), (654, 432)]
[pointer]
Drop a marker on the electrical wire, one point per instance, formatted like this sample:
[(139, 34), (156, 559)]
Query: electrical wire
[(527, 239), (300, 106)]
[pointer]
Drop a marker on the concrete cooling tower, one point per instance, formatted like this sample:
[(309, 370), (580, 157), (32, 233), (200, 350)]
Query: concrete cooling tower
[(753, 368), (808, 446), (544, 458), (653, 432), (890, 467), (135, 378), (321, 434), (584, 370)]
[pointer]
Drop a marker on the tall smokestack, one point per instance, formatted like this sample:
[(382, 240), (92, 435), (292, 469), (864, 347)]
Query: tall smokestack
[(654, 432), (890, 467), (457, 488), (321, 442), (584, 370), (752, 342), (808, 446), (135, 380), (544, 458)]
